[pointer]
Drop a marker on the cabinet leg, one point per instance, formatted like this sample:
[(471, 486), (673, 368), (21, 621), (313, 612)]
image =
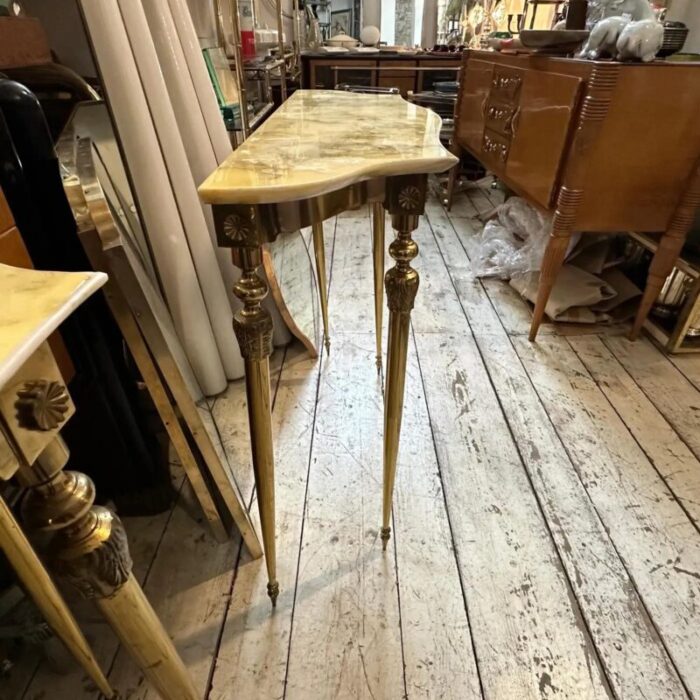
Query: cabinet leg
[(664, 259), (378, 258), (551, 264), (253, 328), (401, 288), (41, 588), (669, 249), (89, 550), (320, 255)]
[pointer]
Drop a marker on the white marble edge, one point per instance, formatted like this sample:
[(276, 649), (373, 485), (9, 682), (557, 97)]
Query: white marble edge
[(287, 160), (29, 343)]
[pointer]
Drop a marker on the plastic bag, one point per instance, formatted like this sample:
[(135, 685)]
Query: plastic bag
[(513, 242)]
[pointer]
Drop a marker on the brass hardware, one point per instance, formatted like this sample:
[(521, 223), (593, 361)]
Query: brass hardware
[(42, 405), (29, 407), (498, 113), (509, 83), (496, 148)]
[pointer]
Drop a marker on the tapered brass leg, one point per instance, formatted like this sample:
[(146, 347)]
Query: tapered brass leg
[(47, 598), (253, 327), (89, 550), (378, 258), (320, 254), (405, 200)]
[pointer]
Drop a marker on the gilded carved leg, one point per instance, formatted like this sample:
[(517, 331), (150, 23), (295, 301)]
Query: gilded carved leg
[(89, 550), (405, 200), (320, 254), (253, 327), (41, 588), (378, 258)]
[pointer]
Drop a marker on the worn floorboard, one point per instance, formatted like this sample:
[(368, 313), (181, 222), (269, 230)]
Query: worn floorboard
[(634, 659)]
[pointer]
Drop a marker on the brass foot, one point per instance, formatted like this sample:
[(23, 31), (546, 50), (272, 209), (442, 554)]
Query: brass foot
[(386, 535), (379, 364), (327, 343), (273, 590)]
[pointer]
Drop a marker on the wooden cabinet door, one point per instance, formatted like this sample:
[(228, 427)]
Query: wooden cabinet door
[(539, 132), (404, 80), (326, 73), (475, 88)]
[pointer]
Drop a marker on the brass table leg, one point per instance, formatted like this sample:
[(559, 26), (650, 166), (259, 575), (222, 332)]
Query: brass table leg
[(378, 258), (47, 598), (320, 255), (253, 327), (90, 551), (405, 199)]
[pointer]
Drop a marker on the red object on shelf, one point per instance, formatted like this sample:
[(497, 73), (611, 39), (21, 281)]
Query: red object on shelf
[(248, 43)]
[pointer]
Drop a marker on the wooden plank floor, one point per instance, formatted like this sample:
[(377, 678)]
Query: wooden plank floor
[(546, 516)]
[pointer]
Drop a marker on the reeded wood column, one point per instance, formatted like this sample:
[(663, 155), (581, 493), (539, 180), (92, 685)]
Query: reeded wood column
[(405, 200), (89, 550)]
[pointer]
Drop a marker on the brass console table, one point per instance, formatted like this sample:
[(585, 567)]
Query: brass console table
[(321, 153), (87, 546)]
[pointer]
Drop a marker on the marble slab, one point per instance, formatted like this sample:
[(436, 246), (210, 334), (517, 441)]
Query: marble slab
[(319, 141), (34, 305)]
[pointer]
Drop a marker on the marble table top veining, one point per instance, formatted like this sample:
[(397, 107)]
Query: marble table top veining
[(319, 141), (34, 304)]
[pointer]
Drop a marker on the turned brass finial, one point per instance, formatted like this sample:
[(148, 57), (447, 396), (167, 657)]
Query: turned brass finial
[(41, 405)]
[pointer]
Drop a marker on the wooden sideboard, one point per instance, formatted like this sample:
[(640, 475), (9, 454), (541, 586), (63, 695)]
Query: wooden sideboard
[(414, 73), (604, 146)]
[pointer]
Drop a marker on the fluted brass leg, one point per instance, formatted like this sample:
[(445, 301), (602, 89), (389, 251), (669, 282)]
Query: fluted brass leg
[(401, 288), (253, 327), (378, 258), (90, 551), (405, 200), (320, 254), (47, 598)]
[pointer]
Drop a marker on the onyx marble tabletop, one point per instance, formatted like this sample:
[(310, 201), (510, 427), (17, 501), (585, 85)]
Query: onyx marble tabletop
[(319, 141)]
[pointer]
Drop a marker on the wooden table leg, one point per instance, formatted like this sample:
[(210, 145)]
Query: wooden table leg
[(551, 264), (669, 249), (253, 328), (320, 255), (45, 595), (405, 199), (89, 550), (378, 259)]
